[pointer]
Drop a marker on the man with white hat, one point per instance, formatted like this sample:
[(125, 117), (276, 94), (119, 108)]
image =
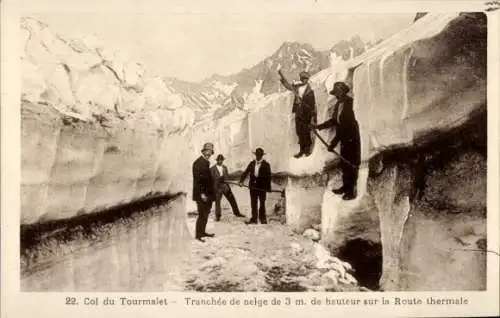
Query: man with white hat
[(203, 190)]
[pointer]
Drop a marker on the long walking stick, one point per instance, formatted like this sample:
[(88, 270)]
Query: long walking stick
[(332, 150), (253, 188), (280, 205), (325, 143)]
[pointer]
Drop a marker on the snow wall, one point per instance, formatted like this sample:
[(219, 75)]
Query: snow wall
[(420, 98), (97, 131)]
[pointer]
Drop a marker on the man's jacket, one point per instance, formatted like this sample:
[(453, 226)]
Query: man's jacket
[(347, 129), (262, 180), (219, 179), (202, 180), (303, 107)]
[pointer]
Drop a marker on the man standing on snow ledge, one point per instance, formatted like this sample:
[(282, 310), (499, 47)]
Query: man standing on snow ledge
[(348, 134), (260, 183), (203, 190), (304, 108)]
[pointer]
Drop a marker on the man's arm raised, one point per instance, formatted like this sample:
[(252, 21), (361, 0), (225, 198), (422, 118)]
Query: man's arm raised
[(284, 81)]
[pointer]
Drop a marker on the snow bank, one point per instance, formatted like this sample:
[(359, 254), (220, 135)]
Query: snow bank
[(133, 254), (415, 82), (97, 131)]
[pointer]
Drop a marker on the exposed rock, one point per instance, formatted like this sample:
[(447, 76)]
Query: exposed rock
[(322, 255), (331, 278), (316, 227), (312, 234), (419, 15), (315, 278), (350, 279), (296, 247), (347, 266), (337, 268), (213, 263)]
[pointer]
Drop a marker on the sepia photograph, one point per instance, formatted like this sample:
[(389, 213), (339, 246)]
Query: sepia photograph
[(205, 151)]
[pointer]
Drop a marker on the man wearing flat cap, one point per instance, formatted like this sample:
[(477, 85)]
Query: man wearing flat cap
[(260, 183), (219, 175), (203, 190), (347, 133), (304, 108)]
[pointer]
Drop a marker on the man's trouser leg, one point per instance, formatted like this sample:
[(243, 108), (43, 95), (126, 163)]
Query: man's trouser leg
[(306, 139), (232, 201), (354, 179), (218, 197), (262, 207), (304, 135), (201, 221), (345, 176), (351, 151), (253, 203), (349, 176), (298, 131)]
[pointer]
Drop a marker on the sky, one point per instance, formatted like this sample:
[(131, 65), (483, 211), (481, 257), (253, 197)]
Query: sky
[(195, 40)]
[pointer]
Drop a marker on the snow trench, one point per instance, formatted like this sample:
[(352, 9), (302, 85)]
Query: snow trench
[(88, 149)]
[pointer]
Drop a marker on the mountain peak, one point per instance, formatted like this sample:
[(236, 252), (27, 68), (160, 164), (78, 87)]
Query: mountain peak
[(294, 46)]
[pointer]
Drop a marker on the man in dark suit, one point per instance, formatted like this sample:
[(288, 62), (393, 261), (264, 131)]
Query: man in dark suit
[(304, 108), (203, 190), (260, 183), (219, 175), (348, 135)]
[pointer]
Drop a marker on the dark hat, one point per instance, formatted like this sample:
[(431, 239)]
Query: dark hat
[(305, 74), (342, 86), (208, 146), (259, 151), (220, 157)]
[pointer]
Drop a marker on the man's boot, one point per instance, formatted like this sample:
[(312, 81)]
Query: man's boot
[(338, 190), (350, 194), (348, 197), (300, 153), (308, 151)]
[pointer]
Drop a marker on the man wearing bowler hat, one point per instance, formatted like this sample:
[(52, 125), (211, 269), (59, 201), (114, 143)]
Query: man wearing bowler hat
[(260, 183), (348, 135), (219, 175), (304, 108), (203, 190)]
